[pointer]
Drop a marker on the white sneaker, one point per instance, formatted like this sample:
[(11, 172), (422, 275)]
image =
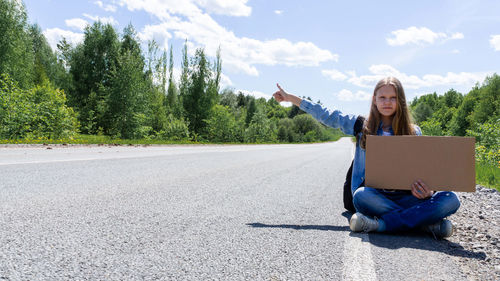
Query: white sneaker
[(441, 229), (360, 222)]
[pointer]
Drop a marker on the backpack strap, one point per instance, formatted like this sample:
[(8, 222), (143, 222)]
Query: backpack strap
[(358, 126)]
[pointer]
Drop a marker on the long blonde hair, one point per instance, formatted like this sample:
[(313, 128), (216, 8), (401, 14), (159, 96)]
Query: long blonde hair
[(401, 122)]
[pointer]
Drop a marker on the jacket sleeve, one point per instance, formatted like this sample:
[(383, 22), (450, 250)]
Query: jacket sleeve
[(418, 132), (334, 119)]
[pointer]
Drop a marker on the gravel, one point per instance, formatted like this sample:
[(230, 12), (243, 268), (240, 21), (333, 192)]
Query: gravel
[(475, 244)]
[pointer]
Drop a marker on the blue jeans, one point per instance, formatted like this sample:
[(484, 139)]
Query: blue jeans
[(400, 210)]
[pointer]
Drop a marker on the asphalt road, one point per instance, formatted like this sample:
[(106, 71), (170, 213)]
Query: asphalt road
[(260, 212)]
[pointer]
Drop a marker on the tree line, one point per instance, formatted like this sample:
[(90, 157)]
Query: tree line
[(476, 114), (107, 85)]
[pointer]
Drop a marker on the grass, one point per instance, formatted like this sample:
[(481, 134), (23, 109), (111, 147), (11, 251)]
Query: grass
[(91, 139), (488, 175), (94, 139)]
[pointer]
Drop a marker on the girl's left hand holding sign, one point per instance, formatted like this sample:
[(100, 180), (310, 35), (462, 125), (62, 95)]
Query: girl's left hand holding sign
[(420, 190)]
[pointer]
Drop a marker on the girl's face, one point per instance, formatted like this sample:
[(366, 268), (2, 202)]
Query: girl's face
[(386, 101)]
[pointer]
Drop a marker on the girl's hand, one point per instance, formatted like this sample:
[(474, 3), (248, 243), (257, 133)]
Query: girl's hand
[(420, 190), (281, 95)]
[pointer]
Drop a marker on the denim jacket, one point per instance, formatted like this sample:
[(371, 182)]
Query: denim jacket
[(336, 119)]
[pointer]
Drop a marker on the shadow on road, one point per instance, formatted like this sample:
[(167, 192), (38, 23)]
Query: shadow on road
[(417, 240), (412, 239), (422, 241), (300, 227)]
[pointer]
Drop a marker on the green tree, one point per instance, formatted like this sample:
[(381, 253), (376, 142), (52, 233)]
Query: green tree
[(286, 130), (251, 109), (91, 64), (156, 105), (431, 127), (47, 67), (461, 120), (243, 100), (16, 49), (202, 92), (443, 117), (422, 112), (487, 108), (222, 126), (260, 129), (228, 98), (305, 123), (126, 98), (130, 43), (275, 110), (184, 80), (452, 98), (175, 129), (63, 78)]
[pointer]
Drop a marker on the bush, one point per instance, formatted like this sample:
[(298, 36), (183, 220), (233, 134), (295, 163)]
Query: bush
[(487, 143), (222, 126), (175, 129), (260, 129), (431, 127), (286, 131), (305, 124), (40, 112)]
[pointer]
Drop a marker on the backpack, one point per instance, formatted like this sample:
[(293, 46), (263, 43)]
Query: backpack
[(358, 126)]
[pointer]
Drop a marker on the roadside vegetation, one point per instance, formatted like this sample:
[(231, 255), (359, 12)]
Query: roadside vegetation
[(107, 90), (475, 114)]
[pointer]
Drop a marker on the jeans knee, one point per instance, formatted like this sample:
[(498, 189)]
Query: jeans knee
[(450, 201), (359, 198)]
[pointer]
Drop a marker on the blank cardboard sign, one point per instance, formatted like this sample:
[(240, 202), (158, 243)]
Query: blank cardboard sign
[(442, 163)]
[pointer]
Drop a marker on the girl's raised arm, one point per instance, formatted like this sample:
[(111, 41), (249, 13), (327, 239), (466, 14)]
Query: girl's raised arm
[(281, 95), (334, 119)]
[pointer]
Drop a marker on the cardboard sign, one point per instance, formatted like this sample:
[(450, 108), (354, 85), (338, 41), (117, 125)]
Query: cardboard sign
[(442, 163)]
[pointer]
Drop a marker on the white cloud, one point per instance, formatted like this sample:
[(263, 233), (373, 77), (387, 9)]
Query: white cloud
[(411, 96), (156, 32), (334, 74), (495, 42), (104, 20), (278, 12), (455, 51), (346, 95), (107, 8), (164, 8), (237, 8), (225, 81), (77, 23), (54, 35), (187, 20), (414, 82), (255, 94), (457, 35), (419, 36)]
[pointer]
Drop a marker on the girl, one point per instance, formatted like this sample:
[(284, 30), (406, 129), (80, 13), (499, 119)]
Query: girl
[(381, 209)]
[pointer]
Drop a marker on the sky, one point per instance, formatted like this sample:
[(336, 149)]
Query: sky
[(331, 51)]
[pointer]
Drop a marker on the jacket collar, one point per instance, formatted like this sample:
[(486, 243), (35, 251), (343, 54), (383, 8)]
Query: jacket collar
[(380, 131)]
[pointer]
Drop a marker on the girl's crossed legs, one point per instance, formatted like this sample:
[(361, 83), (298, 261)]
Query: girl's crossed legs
[(400, 210)]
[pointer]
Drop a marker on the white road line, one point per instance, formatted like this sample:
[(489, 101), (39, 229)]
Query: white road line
[(358, 262), (52, 161)]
